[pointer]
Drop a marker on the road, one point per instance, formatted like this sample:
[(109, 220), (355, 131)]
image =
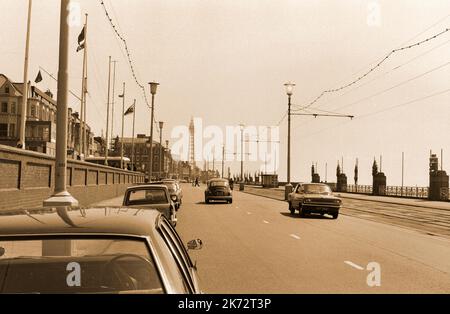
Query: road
[(255, 246), (431, 218)]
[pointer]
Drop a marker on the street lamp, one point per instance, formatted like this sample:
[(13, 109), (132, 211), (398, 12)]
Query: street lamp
[(161, 124), (289, 91), (153, 88), (149, 148)]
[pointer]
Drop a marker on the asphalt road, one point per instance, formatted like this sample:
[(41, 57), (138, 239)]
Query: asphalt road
[(255, 246)]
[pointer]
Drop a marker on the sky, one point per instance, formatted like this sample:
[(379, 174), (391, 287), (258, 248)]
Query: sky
[(226, 62)]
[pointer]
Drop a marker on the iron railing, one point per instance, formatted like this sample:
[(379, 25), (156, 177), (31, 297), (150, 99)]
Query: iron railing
[(405, 191)]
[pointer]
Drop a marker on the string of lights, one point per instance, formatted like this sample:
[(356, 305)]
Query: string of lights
[(383, 60), (308, 135), (128, 57), (385, 73), (130, 62)]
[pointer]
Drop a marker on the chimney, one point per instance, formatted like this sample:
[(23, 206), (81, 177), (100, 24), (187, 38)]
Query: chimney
[(49, 93)]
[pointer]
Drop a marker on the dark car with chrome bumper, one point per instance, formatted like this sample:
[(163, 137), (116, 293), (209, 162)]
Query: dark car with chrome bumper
[(218, 190)]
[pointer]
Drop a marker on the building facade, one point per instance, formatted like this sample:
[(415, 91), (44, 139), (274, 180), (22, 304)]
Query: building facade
[(40, 127)]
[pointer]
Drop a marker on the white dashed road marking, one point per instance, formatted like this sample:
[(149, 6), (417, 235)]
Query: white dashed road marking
[(249, 213), (354, 265), (265, 221), (295, 236)]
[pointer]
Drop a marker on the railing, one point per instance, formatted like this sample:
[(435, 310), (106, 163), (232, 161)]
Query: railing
[(361, 189), (406, 191)]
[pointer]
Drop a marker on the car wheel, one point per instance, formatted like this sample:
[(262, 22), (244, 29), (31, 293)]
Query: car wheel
[(335, 215), (206, 201), (302, 212), (230, 201), (291, 209)]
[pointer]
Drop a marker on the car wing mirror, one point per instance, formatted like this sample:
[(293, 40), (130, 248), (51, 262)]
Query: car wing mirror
[(2, 251), (195, 244)]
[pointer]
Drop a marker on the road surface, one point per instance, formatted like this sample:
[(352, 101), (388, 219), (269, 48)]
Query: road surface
[(255, 246)]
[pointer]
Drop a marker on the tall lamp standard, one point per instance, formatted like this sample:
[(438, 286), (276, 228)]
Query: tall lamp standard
[(288, 188), (61, 197), (153, 88), (161, 124)]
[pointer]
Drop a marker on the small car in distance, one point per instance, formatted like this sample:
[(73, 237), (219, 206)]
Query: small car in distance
[(151, 196), (218, 190), (94, 250), (314, 198)]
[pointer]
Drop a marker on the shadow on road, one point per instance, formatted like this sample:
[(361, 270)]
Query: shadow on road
[(309, 216)]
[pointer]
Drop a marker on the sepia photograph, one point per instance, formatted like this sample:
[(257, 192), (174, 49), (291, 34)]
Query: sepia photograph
[(237, 148)]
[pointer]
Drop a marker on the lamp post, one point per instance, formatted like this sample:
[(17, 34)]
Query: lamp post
[(61, 197), (153, 88), (161, 124), (289, 91)]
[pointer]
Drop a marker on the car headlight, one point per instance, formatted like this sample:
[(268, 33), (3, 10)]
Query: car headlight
[(338, 201), (307, 200), (174, 198)]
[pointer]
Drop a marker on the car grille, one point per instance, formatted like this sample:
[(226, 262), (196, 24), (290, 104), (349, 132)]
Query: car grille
[(323, 201)]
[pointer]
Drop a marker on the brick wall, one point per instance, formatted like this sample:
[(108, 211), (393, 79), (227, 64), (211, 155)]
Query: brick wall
[(27, 179)]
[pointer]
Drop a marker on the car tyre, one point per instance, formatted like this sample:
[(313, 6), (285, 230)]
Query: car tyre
[(291, 209), (335, 215), (206, 201), (302, 212), (230, 201)]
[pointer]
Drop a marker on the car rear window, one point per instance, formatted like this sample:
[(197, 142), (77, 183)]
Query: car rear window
[(147, 196), (70, 265), (218, 183)]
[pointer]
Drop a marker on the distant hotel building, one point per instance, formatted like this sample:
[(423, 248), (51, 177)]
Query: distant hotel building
[(40, 130)]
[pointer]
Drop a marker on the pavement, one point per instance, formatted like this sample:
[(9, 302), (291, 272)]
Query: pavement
[(256, 246)]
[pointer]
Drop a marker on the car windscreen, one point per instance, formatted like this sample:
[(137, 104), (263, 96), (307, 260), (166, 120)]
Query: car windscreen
[(147, 197), (317, 189), (218, 184), (77, 265)]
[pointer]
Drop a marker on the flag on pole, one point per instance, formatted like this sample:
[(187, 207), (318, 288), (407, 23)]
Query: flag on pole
[(81, 40), (129, 110), (38, 77)]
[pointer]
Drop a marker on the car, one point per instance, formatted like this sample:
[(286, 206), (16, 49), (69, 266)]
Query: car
[(309, 198), (101, 250), (151, 196), (176, 194), (218, 190)]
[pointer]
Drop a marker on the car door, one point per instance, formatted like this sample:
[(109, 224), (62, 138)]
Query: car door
[(181, 255), (297, 199)]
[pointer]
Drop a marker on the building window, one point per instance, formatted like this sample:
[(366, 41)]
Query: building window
[(12, 130), (3, 129), (33, 111), (7, 90), (13, 108), (4, 107)]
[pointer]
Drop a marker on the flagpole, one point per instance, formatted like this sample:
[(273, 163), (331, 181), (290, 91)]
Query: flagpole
[(123, 122), (85, 144), (83, 95), (113, 98), (132, 138), (107, 113), (23, 109)]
